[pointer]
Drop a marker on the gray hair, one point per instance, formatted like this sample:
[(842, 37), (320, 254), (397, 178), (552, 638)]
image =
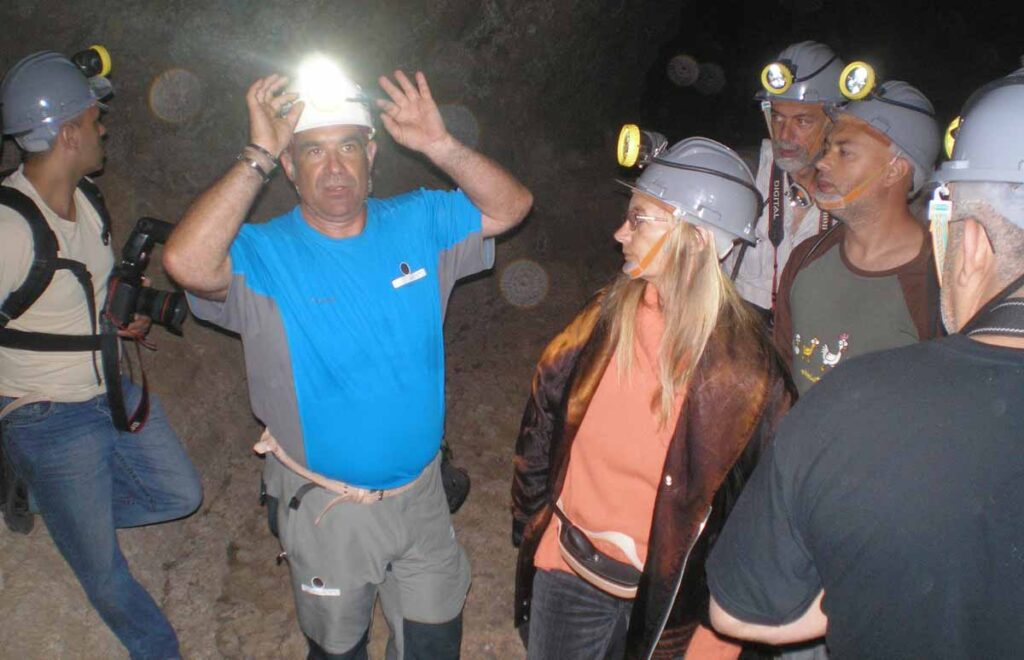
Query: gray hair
[(999, 207)]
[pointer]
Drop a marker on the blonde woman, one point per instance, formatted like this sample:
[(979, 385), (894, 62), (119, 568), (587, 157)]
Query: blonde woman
[(646, 415)]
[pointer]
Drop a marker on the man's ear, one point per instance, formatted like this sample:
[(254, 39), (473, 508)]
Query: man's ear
[(895, 171), (69, 136), (978, 257), (371, 153), (287, 164)]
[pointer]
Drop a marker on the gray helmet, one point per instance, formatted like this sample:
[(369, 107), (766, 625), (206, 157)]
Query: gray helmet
[(814, 69), (904, 115), (43, 91), (989, 142), (710, 183)]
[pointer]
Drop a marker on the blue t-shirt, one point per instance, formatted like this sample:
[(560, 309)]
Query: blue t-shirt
[(343, 337)]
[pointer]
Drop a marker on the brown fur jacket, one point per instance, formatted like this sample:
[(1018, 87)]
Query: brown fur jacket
[(734, 401)]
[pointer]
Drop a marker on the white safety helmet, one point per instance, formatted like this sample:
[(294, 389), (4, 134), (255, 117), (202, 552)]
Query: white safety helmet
[(330, 97)]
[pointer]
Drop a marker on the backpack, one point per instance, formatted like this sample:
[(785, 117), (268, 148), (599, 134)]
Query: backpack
[(46, 262)]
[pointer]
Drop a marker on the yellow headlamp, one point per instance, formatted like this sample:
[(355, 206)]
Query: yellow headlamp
[(93, 61), (949, 139), (857, 80), (637, 147), (628, 149), (776, 78)]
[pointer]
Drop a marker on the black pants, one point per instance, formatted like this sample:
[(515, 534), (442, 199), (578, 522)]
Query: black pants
[(423, 641)]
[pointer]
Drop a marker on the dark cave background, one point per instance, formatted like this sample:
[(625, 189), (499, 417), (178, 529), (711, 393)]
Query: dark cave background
[(540, 86)]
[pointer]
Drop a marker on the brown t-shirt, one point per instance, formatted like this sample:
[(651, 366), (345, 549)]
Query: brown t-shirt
[(829, 310)]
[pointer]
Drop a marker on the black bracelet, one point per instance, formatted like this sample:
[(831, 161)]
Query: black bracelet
[(253, 145), (256, 167)]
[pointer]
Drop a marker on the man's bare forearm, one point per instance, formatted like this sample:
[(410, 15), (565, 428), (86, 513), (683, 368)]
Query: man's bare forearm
[(810, 625), (196, 255), (500, 197)]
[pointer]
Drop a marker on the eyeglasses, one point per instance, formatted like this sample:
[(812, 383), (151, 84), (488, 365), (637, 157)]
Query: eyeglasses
[(635, 219)]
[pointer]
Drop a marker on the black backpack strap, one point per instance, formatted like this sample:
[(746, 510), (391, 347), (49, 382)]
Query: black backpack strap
[(95, 197), (40, 273)]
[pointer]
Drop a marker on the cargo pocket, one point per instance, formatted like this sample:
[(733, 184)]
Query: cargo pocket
[(271, 502)]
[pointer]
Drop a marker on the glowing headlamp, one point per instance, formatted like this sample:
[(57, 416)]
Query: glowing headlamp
[(638, 147), (777, 78), (325, 86), (949, 139), (857, 80)]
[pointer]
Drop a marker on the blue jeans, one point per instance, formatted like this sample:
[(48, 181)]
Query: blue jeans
[(88, 479), (570, 620)]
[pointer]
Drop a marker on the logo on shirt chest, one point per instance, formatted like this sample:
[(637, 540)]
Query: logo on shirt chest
[(829, 358), (408, 276)]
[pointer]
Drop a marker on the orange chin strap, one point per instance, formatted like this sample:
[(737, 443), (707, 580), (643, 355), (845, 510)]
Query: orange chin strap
[(638, 269), (858, 190)]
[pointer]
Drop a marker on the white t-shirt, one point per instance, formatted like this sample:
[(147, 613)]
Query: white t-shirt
[(62, 309), (754, 281)]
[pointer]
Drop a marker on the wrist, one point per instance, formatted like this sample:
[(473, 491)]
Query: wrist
[(254, 166), (262, 155), (442, 149)]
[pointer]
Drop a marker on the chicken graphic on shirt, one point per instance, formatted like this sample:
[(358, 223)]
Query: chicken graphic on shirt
[(830, 359), (807, 350)]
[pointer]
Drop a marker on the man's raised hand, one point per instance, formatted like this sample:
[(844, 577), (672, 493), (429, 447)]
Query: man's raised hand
[(268, 128), (411, 116)]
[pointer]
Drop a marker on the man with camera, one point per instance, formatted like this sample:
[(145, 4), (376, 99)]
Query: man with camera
[(58, 353), (340, 304)]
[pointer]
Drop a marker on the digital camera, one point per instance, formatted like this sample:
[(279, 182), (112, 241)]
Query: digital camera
[(126, 296)]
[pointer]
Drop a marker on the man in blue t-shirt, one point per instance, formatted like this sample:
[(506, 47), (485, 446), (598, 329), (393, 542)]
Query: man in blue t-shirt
[(340, 305)]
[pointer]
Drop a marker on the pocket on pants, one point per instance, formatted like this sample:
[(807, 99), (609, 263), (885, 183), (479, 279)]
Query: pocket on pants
[(30, 414)]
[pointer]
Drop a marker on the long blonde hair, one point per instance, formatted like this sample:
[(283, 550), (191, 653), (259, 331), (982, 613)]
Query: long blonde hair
[(695, 296)]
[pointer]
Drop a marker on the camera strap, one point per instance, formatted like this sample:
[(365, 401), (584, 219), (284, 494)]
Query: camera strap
[(778, 197)]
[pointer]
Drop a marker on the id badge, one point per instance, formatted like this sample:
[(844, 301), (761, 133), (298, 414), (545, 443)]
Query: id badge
[(940, 212)]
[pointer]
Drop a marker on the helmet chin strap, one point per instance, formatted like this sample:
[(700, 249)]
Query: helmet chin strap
[(636, 269), (858, 190)]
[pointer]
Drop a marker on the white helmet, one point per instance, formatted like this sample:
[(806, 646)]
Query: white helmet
[(330, 97)]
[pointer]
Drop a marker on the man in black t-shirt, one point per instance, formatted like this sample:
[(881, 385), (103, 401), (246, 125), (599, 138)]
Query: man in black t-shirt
[(887, 513)]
